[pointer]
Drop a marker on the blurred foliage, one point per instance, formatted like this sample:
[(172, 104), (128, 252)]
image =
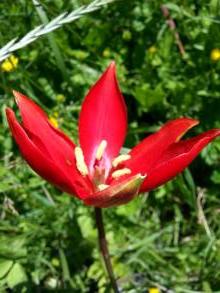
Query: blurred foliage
[(48, 240)]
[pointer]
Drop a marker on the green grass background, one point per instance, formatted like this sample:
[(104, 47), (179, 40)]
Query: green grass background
[(167, 239)]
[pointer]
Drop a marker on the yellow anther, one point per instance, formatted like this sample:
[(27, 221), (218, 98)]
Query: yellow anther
[(80, 162), (102, 186), (119, 173), (100, 150), (120, 159)]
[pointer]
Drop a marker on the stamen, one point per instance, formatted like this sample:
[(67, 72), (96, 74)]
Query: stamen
[(119, 173), (120, 159), (80, 162), (100, 150), (102, 186)]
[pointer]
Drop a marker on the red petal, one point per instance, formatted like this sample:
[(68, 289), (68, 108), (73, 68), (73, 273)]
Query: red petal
[(117, 193), (103, 117), (148, 151), (49, 140), (176, 158), (41, 163)]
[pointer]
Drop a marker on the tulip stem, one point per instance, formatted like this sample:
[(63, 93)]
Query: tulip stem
[(104, 248)]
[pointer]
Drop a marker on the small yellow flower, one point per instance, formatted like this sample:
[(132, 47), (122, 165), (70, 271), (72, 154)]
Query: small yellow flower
[(152, 50), (9, 64), (215, 55), (54, 121), (154, 290)]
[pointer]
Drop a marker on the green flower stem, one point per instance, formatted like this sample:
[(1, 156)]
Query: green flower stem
[(104, 248)]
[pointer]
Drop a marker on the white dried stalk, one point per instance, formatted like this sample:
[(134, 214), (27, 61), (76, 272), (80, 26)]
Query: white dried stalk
[(54, 24)]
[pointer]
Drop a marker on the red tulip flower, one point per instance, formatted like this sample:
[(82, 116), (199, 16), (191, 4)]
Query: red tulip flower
[(95, 172)]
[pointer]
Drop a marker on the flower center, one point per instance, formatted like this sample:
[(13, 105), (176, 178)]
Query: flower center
[(98, 176)]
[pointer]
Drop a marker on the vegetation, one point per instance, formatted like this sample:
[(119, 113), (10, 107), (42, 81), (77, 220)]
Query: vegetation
[(168, 239)]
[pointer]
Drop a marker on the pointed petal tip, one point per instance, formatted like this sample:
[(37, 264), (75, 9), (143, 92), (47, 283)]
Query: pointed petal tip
[(15, 92), (8, 110), (112, 68), (191, 121), (11, 118), (18, 96), (112, 64), (9, 113), (188, 124), (194, 122)]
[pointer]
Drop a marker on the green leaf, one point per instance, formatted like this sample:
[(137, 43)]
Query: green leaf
[(5, 266), (16, 276), (13, 247), (216, 177), (148, 97), (173, 7)]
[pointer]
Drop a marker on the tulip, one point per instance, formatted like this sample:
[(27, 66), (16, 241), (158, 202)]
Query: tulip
[(95, 171)]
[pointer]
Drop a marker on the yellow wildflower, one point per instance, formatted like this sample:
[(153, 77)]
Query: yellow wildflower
[(154, 290), (152, 50), (54, 121), (9, 64), (215, 55)]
